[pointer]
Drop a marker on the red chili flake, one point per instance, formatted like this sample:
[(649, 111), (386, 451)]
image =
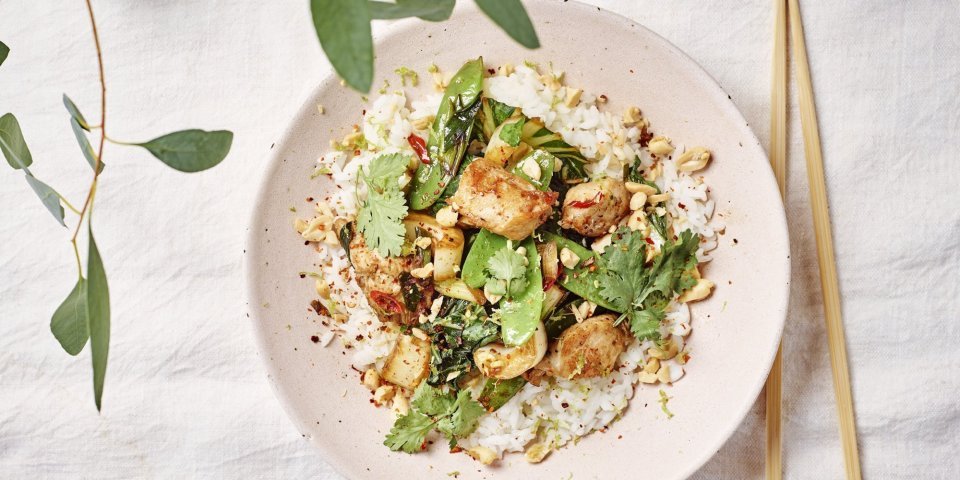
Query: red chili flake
[(564, 404), (682, 206), (309, 199), (386, 302), (491, 71), (456, 449), (420, 147), (314, 339), (548, 282), (587, 203)]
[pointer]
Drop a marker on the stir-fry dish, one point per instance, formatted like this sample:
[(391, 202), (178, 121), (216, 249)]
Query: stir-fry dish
[(506, 260)]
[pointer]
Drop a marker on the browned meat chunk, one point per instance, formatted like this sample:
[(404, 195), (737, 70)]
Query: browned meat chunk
[(493, 198), (587, 349), (385, 281), (591, 208)]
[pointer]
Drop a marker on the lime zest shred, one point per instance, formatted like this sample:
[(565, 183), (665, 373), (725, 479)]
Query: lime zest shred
[(663, 404)]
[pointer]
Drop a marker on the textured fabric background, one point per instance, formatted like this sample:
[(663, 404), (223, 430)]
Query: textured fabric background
[(186, 395)]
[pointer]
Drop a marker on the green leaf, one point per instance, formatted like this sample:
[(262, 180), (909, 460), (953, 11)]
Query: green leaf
[(431, 401), (98, 317), (380, 219), (429, 10), (4, 51), (13, 146), (75, 112), (343, 27), (512, 18), (462, 419), (409, 432), (69, 322), (385, 170), (191, 150), (510, 132), (49, 197), (496, 392), (84, 142)]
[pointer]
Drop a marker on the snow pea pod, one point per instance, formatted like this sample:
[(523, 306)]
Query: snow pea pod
[(449, 135)]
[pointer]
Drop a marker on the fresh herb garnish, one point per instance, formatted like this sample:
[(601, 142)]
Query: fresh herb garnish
[(453, 415), (507, 269), (643, 293), (380, 218)]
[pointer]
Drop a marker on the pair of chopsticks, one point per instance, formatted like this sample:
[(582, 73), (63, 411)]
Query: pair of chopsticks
[(822, 231)]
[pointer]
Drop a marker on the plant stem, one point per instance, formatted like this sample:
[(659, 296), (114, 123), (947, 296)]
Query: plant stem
[(103, 129), (68, 204)]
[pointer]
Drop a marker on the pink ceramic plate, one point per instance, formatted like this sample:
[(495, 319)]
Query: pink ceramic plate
[(736, 331)]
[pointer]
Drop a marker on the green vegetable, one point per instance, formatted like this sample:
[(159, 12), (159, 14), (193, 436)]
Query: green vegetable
[(449, 135), (560, 319), (345, 236), (454, 416), (510, 132), (643, 294), (496, 393), (343, 28), (380, 217), (512, 18), (460, 328), (485, 244), (545, 161), (540, 137), (452, 187), (582, 280), (520, 315), (492, 114), (508, 274)]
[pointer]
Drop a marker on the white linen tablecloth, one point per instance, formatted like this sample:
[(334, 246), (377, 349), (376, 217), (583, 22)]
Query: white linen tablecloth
[(186, 395)]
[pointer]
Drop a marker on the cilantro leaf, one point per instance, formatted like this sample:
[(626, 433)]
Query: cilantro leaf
[(507, 269), (645, 292), (463, 417), (380, 217), (381, 221), (510, 132), (385, 171), (454, 416), (409, 432), (431, 401)]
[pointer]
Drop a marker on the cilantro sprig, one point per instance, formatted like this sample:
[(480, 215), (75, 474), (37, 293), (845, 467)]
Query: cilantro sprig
[(380, 217), (507, 269), (643, 293), (455, 416)]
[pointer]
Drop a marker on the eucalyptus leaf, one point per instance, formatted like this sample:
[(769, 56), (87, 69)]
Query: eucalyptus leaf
[(429, 10), (75, 112), (12, 144), (49, 197), (512, 18), (343, 27), (84, 142), (4, 51), (191, 150), (98, 317), (69, 322)]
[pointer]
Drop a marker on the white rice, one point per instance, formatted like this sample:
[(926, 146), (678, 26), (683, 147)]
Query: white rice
[(557, 411)]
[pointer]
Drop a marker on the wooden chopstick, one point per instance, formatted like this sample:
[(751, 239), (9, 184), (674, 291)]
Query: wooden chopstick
[(822, 230), (778, 160)]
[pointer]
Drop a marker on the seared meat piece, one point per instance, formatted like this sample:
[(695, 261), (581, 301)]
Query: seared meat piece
[(493, 198), (591, 208), (387, 282), (587, 349)]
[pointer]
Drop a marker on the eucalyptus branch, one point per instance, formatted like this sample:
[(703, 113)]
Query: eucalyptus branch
[(85, 313)]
